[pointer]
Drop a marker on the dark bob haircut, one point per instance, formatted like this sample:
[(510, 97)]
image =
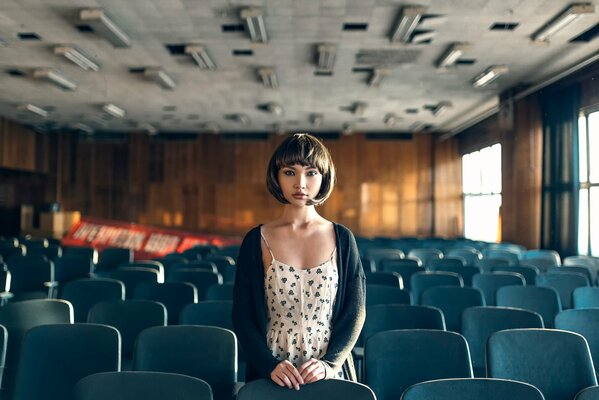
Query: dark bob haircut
[(305, 150)]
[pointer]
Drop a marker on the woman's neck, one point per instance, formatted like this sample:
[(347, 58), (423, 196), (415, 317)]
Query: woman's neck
[(299, 217)]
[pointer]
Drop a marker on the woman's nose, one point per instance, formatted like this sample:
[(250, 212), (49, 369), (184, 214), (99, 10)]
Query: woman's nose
[(300, 182)]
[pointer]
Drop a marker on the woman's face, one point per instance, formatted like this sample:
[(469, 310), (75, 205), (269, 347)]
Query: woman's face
[(299, 183)]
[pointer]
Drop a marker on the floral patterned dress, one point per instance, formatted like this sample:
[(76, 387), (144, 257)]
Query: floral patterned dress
[(300, 308)]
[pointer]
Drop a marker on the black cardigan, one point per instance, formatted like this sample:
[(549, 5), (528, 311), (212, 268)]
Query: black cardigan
[(250, 312)]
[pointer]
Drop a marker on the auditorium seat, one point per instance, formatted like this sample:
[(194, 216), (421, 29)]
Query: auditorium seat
[(471, 255), (130, 318), (551, 258), (478, 323), (466, 272), (131, 277), (3, 345), (501, 254), (204, 352), (196, 264), (395, 360), (382, 294), (557, 362), (225, 266), (85, 252), (69, 268), (590, 393), (32, 277), (83, 294), (151, 264), (201, 279), (222, 292), (529, 272), (392, 279), (564, 284), (421, 281), (472, 389), (489, 282), (405, 268), (452, 301), (437, 264), (173, 295), (211, 313), (266, 389), (544, 301), (425, 255), (585, 297), (584, 322), (55, 357), (567, 269), (378, 254), (112, 257), (141, 386)]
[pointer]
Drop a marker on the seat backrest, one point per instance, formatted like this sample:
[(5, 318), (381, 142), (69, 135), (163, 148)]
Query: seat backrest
[(84, 293), (87, 253), (132, 276), (29, 273), (590, 393), (579, 269), (210, 313), (112, 257), (378, 254), (472, 389), (542, 254), (395, 360), (152, 264), (487, 264), (384, 278), (173, 295), (265, 389), (421, 281), (222, 292), (557, 362), (437, 264), (501, 254), (141, 385), (225, 265), (542, 300), (55, 357), (452, 301), (466, 272), (472, 256), (488, 283), (564, 284), (405, 268), (382, 294), (21, 316), (3, 344), (478, 323), (584, 322), (130, 317), (201, 279), (69, 267), (389, 317), (585, 297), (425, 255), (204, 352), (529, 272)]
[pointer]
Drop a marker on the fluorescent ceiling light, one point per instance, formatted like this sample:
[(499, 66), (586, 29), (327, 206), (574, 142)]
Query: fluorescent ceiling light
[(377, 77), (440, 108), (239, 118), (269, 77), (359, 108), (113, 110), (148, 128), (572, 13), (211, 127), (422, 37), (452, 55), (348, 129), (326, 56), (489, 75), (55, 78), (76, 56), (200, 56), (408, 20), (254, 21), (316, 119), (274, 108), (159, 76), (103, 26), (391, 119), (33, 109), (84, 128)]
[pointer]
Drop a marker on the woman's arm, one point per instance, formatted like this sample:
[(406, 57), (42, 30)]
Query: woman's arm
[(348, 325), (245, 319)]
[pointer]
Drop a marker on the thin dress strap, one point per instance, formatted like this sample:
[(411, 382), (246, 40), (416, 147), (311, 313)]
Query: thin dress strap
[(267, 245)]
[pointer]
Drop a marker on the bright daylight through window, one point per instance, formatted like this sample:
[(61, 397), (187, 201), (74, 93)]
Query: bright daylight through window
[(481, 186), (588, 206)]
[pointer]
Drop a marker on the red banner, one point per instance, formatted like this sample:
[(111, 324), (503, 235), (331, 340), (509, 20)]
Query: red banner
[(146, 241)]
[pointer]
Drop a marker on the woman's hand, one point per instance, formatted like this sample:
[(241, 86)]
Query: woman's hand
[(312, 371), (285, 374)]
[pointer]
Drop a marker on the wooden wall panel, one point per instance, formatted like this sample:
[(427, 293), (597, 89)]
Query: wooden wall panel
[(449, 202), (216, 185)]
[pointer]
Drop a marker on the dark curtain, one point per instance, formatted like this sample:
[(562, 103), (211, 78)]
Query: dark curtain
[(559, 209)]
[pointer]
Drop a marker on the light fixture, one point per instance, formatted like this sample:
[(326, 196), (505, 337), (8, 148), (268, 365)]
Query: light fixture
[(211, 127), (239, 118), (489, 75), (316, 119), (569, 15), (423, 36), (113, 110), (452, 55), (377, 77), (76, 56), (325, 58), (439, 108), (103, 26), (54, 77), (148, 128), (359, 108), (347, 129), (159, 76), (33, 109), (268, 77), (84, 128), (274, 108), (391, 119), (408, 20), (200, 56), (254, 22)]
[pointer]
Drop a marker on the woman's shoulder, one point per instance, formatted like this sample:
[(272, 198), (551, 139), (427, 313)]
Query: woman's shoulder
[(343, 232), (253, 233)]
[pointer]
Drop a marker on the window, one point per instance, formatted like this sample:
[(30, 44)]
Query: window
[(481, 186), (588, 206)]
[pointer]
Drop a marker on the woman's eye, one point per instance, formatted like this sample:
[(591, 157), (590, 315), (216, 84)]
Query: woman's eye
[(288, 173), (312, 173)]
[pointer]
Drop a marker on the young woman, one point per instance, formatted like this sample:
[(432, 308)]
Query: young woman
[(299, 290)]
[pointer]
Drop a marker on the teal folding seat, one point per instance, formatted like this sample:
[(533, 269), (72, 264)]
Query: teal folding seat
[(265, 389), (472, 389), (452, 301), (383, 294), (542, 300), (83, 294), (489, 282)]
